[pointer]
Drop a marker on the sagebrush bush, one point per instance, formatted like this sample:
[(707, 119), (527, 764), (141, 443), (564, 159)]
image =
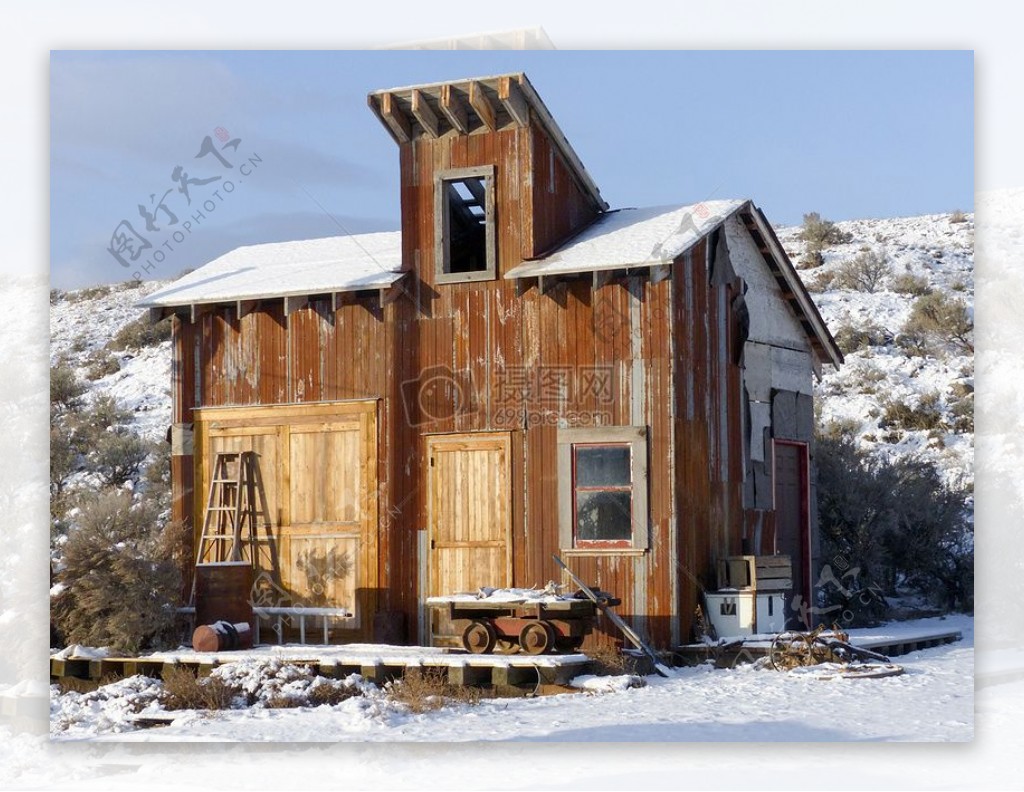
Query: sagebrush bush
[(121, 582), (90, 293), (901, 415), (139, 334), (865, 272), (909, 283), (962, 412), (101, 363), (895, 522), (118, 456), (942, 318), (820, 282), (425, 690), (66, 390), (958, 217), (820, 233), (852, 337), (184, 690)]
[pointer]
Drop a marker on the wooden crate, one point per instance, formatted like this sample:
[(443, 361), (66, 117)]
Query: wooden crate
[(761, 573)]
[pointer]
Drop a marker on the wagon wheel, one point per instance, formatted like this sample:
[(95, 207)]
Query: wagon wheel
[(536, 637), (790, 650), (479, 637)]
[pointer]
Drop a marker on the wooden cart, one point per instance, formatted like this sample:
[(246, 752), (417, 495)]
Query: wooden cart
[(531, 626)]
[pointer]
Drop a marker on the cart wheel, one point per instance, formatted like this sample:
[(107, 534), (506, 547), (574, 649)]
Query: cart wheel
[(536, 637), (790, 650), (479, 637)]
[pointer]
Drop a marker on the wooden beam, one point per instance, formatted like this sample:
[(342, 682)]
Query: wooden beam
[(512, 97), (454, 109), (244, 307), (482, 105), (292, 304), (427, 117), (603, 277), (198, 309), (395, 118), (660, 272)]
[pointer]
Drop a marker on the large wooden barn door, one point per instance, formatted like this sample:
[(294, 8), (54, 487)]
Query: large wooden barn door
[(469, 537), (792, 524), (318, 465)]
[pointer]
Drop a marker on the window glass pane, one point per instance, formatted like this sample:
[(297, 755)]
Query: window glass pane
[(602, 466), (604, 516)]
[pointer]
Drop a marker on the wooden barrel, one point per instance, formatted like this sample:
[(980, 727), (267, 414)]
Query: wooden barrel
[(222, 636)]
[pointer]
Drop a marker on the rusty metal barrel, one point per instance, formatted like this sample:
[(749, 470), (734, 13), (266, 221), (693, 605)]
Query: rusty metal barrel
[(222, 636)]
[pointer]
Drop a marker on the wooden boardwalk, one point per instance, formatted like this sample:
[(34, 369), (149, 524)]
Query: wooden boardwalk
[(540, 674), (729, 654)]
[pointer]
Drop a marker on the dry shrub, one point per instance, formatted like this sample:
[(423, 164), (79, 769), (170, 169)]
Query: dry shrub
[(121, 581), (924, 416), (426, 690), (140, 333), (958, 217), (865, 272), (330, 694), (909, 283), (100, 364), (943, 318), (608, 660), (183, 690)]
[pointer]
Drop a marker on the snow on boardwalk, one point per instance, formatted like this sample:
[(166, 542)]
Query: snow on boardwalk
[(932, 701)]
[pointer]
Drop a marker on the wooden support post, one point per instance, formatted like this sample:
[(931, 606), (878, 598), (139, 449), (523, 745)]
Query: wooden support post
[(395, 118), (482, 105), (454, 110), (372, 672), (294, 303), (427, 117), (468, 676), (513, 676), (512, 97)]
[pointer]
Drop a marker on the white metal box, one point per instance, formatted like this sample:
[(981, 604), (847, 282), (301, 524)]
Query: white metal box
[(738, 613)]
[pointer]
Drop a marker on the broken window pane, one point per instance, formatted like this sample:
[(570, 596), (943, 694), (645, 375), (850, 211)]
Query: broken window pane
[(604, 515)]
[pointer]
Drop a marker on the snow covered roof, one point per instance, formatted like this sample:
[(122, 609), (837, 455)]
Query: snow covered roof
[(282, 269), (626, 238)]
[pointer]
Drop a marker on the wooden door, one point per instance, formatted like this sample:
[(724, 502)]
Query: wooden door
[(469, 533), (792, 528), (317, 464)]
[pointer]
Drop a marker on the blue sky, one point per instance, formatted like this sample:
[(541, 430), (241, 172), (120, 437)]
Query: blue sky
[(846, 134)]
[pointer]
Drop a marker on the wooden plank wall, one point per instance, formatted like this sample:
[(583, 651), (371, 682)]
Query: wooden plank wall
[(486, 337), (709, 473)]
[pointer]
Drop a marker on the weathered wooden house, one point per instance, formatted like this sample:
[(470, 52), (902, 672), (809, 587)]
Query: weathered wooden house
[(520, 371)]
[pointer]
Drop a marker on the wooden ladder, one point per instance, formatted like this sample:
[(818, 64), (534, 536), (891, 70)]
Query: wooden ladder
[(232, 512)]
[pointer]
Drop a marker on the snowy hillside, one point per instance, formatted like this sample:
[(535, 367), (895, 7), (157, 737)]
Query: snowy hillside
[(929, 252), (923, 253), (83, 322)]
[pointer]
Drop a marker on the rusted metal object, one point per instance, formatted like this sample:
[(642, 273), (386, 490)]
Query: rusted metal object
[(222, 636), (538, 627)]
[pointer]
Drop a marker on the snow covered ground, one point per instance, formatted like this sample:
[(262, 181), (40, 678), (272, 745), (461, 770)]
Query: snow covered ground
[(928, 703), (931, 701)]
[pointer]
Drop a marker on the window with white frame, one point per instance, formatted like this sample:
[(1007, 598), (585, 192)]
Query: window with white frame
[(602, 475), (464, 225)]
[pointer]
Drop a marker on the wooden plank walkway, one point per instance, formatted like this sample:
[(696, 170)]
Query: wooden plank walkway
[(540, 674), (728, 655)]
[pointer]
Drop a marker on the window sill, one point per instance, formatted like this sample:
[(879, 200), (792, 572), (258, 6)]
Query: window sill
[(599, 551)]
